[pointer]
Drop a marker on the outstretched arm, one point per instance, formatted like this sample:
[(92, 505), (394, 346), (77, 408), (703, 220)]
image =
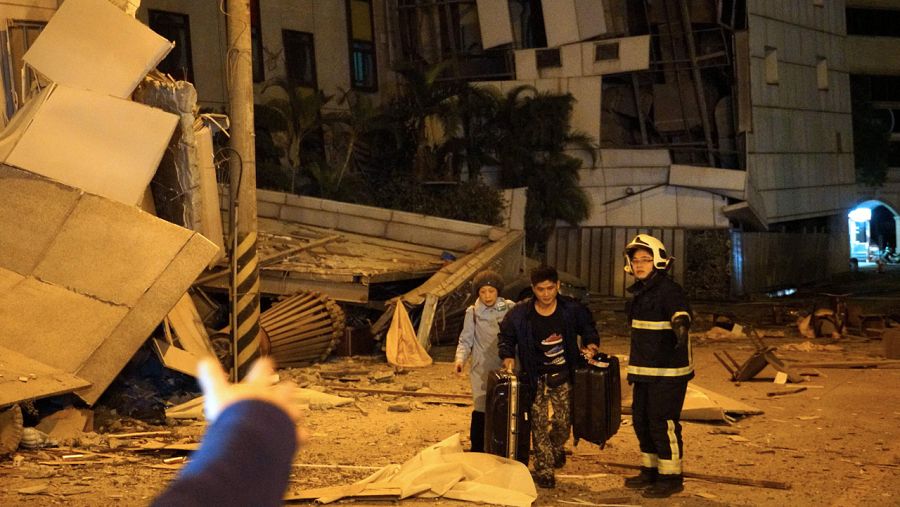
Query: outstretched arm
[(246, 454)]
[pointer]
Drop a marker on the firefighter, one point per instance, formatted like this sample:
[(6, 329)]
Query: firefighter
[(659, 367)]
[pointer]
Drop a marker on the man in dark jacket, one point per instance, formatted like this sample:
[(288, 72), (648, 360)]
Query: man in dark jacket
[(659, 366), (543, 332)]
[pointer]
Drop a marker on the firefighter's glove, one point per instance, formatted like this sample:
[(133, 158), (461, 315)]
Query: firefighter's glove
[(681, 326)]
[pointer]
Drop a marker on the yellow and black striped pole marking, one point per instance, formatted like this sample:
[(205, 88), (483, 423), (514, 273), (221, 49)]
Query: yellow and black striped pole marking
[(245, 313)]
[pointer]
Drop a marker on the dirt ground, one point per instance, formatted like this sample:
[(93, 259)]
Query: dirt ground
[(836, 443)]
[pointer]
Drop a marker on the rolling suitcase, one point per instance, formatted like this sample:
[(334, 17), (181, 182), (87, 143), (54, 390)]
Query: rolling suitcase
[(597, 400), (507, 428)]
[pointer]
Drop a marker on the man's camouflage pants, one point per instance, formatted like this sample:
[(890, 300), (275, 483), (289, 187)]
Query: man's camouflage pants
[(549, 433)]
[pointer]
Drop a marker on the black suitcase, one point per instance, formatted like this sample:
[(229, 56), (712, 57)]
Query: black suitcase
[(507, 426), (597, 400)]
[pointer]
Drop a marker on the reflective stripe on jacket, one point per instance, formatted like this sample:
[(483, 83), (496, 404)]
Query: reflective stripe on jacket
[(654, 356)]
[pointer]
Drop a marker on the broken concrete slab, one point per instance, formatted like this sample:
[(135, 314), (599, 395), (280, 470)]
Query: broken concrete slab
[(93, 45), (614, 56), (101, 144), (568, 21), (723, 181), (494, 22), (47, 381), (175, 358), (67, 423), (106, 275)]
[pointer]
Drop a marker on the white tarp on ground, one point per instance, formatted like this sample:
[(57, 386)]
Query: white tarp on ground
[(94, 45), (442, 470)]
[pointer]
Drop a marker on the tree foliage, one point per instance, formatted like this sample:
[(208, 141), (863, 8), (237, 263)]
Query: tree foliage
[(412, 152)]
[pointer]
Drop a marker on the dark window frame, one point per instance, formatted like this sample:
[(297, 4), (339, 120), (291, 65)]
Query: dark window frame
[(365, 50), (256, 44), (303, 39), (187, 73), (547, 58), (871, 22), (606, 51)]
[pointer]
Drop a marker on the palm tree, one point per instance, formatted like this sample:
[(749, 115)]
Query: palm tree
[(425, 103), (348, 129), (535, 130), (295, 113)]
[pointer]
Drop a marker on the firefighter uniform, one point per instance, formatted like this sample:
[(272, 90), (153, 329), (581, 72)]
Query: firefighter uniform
[(659, 371)]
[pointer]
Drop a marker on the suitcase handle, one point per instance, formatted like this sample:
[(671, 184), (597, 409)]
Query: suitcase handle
[(598, 360)]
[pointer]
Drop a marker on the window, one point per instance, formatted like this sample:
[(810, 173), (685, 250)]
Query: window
[(606, 52), (20, 36), (822, 73), (546, 58), (299, 58), (363, 70), (873, 22), (177, 28), (771, 65)]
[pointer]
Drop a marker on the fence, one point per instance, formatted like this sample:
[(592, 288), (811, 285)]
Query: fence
[(595, 254), (765, 261), (759, 261)]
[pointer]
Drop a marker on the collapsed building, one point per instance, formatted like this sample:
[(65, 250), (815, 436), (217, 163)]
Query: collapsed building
[(709, 117), (89, 271)]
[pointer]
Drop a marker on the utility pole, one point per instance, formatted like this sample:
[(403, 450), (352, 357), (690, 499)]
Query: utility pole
[(245, 329)]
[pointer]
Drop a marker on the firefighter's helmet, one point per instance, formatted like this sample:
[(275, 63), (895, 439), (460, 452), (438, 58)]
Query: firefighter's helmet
[(661, 259)]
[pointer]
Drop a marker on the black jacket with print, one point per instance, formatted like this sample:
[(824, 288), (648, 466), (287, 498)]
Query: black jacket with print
[(654, 356), (517, 335)]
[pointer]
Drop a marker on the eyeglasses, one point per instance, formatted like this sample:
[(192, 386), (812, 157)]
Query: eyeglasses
[(641, 260)]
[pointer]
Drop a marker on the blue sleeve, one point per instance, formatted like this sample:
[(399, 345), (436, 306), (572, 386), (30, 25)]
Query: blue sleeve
[(245, 459)]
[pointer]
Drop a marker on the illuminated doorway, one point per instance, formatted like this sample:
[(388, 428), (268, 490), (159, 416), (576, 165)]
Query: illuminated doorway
[(874, 228)]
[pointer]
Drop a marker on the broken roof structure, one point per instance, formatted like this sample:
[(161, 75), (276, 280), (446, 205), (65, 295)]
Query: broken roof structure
[(370, 246)]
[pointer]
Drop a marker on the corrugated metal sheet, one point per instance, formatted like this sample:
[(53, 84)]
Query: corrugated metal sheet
[(594, 254)]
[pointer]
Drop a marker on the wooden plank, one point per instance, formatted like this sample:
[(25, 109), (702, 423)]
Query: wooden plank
[(845, 364), (584, 257), (607, 265), (175, 358), (711, 478), (597, 258), (551, 248), (619, 242), (189, 328), (571, 251), (423, 334), (40, 380), (401, 393)]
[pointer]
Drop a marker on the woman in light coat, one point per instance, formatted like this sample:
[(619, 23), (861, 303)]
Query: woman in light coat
[(478, 341)]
